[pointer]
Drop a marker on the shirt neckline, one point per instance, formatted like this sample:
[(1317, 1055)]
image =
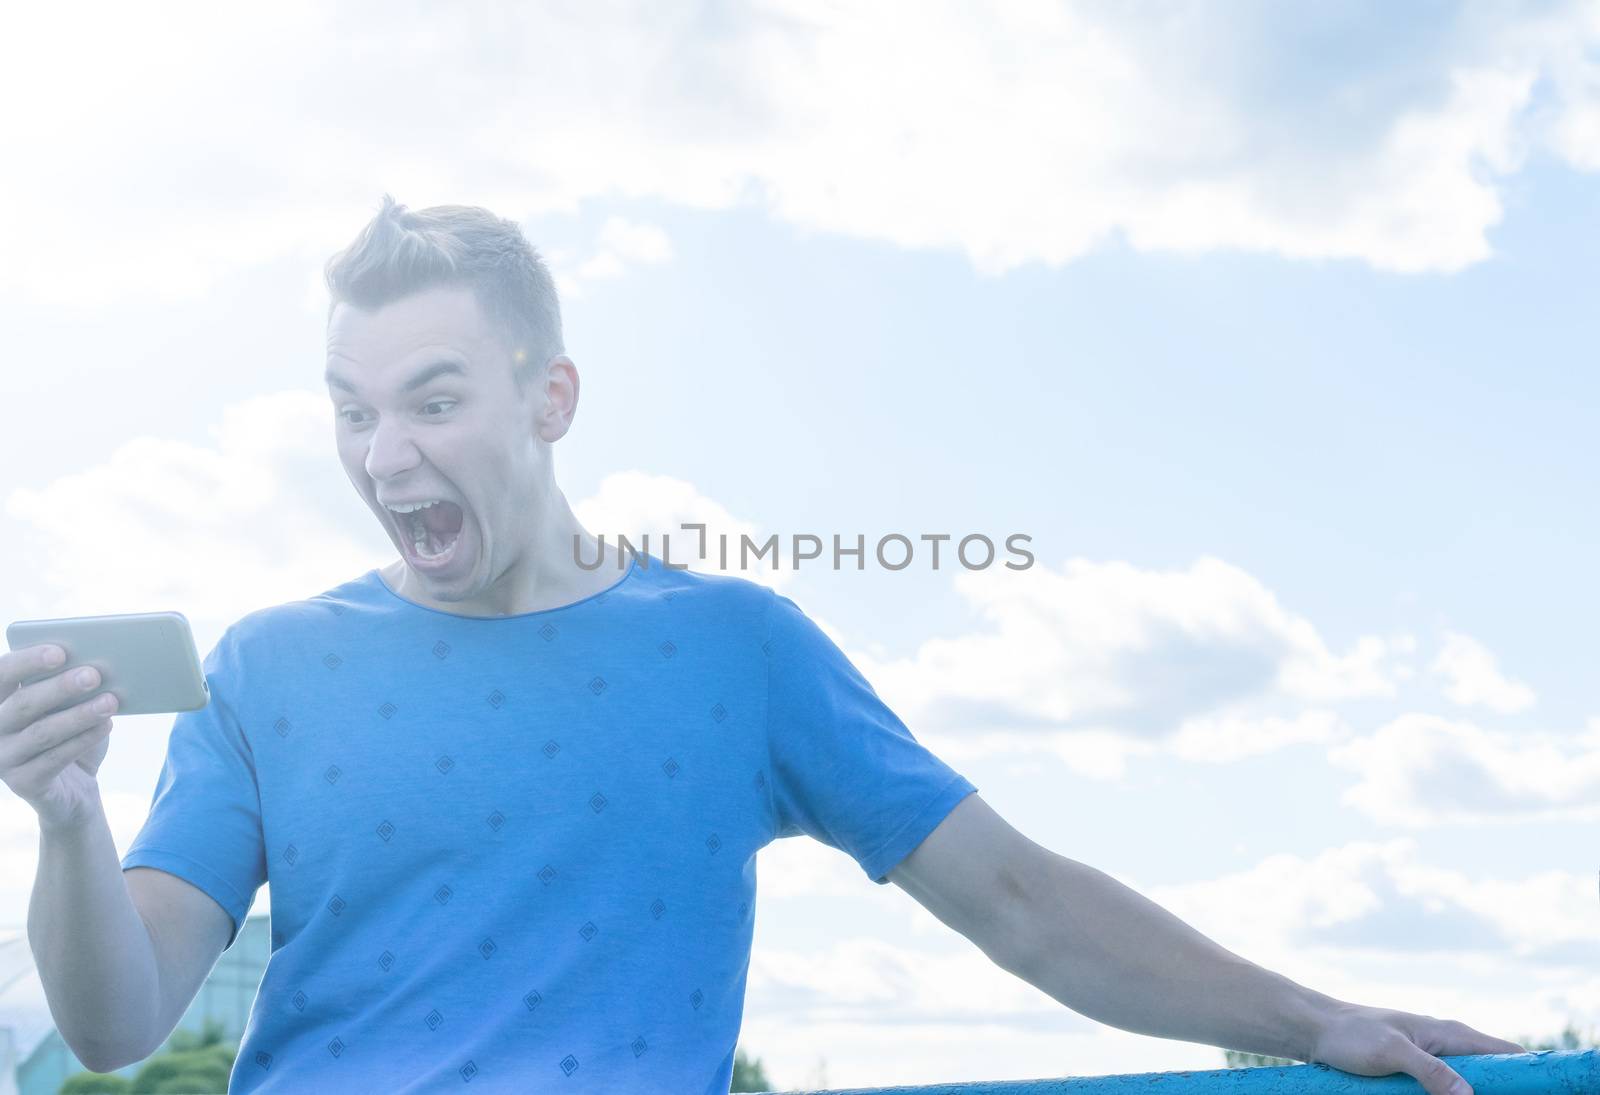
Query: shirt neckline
[(376, 574)]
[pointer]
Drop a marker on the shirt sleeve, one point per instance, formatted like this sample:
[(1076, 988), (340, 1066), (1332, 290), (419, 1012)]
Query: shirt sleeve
[(205, 818), (845, 769)]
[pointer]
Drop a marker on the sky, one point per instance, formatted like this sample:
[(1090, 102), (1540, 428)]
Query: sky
[(1271, 327)]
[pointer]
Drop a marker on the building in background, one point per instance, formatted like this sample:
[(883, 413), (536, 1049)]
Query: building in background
[(33, 1058)]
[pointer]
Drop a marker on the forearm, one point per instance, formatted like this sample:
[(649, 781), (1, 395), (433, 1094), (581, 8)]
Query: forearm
[(1109, 953), (90, 945)]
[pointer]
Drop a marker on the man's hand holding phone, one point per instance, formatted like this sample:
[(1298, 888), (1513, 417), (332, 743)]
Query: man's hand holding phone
[(54, 732), (60, 684), (89, 922)]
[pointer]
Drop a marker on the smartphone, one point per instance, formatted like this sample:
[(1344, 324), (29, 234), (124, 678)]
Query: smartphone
[(147, 659)]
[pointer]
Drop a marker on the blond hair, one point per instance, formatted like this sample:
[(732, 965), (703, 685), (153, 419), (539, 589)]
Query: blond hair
[(401, 251)]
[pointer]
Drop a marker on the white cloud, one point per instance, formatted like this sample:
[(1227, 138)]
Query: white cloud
[(1092, 752), (1112, 647), (1224, 738), (1472, 676), (1368, 922), (1419, 770), (19, 843), (262, 515), (1384, 900), (621, 244), (265, 514), (1095, 664), (180, 150), (1104, 754), (1572, 123), (651, 510), (803, 867), (1375, 923), (632, 241), (868, 980)]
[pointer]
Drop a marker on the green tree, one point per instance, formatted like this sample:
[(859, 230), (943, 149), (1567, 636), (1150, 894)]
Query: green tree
[(191, 1063), (1570, 1038), (199, 1064), (748, 1075), (95, 1083), (1236, 1058), (210, 1034), (187, 1072)]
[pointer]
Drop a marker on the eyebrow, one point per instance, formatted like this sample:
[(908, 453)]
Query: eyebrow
[(437, 369)]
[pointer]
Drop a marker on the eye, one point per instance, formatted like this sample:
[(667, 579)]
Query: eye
[(437, 403), (345, 414)]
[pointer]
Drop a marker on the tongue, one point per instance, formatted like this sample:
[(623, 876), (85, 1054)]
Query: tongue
[(443, 519)]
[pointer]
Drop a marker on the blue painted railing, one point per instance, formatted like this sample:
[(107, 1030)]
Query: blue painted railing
[(1550, 1073)]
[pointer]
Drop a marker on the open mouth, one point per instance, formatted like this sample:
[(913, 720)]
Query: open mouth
[(430, 529)]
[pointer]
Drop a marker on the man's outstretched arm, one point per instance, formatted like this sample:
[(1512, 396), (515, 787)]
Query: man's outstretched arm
[(1108, 953)]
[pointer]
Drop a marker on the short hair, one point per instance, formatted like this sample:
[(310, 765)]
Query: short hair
[(402, 251)]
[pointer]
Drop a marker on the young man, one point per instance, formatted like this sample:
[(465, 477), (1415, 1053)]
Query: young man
[(509, 806)]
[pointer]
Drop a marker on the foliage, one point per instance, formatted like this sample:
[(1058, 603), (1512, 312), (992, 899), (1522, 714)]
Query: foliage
[(185, 1073), (192, 1063), (1239, 1059), (211, 1034), (209, 1082), (199, 1064), (1570, 1038), (95, 1083), (748, 1075)]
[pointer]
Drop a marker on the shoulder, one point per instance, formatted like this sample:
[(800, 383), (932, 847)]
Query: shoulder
[(740, 609), (291, 624), (727, 598)]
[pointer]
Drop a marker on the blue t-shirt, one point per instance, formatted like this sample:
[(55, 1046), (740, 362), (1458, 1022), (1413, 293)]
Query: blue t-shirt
[(519, 853)]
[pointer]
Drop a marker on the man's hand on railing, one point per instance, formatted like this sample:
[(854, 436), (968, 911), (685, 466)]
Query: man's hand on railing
[(1378, 1042), (1107, 952)]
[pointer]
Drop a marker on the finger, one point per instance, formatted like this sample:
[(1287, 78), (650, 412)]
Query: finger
[(1494, 1045), (30, 780), (33, 701), (1436, 1077), (1458, 1038), (28, 661), (43, 734)]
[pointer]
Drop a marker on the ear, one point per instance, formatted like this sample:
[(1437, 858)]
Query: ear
[(558, 398)]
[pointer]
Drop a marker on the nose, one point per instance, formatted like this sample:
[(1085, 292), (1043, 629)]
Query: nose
[(391, 452)]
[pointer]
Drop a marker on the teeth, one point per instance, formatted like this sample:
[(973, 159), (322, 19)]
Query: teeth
[(425, 553), (412, 507), (419, 531), (422, 549)]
